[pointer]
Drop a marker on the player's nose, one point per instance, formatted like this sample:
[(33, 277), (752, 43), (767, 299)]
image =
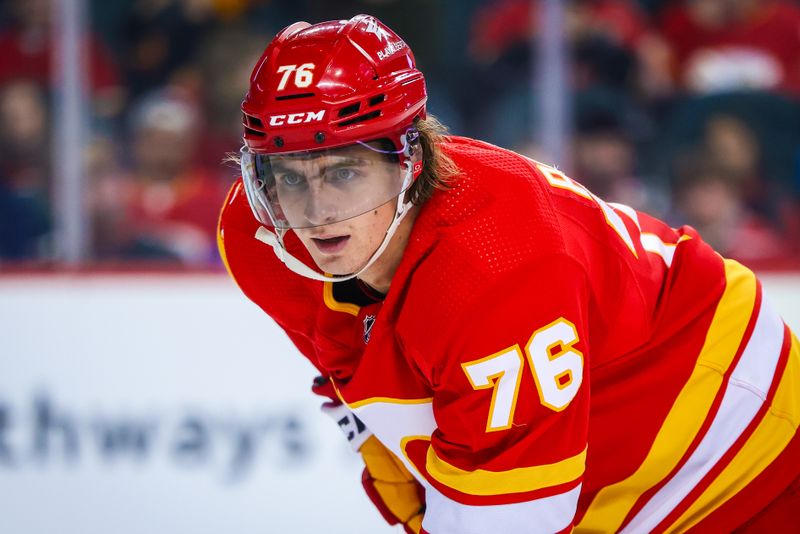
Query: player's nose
[(319, 208)]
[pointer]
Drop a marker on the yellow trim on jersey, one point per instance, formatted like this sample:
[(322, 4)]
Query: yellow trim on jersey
[(222, 255), (772, 435), (338, 393), (559, 180), (388, 400), (612, 504), (220, 239), (335, 305), (404, 443), (519, 480), (374, 400)]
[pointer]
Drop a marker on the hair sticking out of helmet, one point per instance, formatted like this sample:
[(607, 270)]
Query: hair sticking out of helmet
[(317, 90)]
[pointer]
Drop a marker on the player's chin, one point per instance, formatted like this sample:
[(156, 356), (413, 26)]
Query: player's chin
[(336, 266)]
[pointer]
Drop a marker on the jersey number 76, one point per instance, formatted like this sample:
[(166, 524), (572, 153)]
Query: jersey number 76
[(555, 363)]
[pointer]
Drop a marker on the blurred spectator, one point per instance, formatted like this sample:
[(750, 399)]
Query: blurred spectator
[(710, 199), (224, 65), (161, 38), (116, 235), (604, 159), (756, 137), (735, 148), (26, 47), (603, 36), (736, 151), (166, 207), (24, 171), (606, 37), (721, 45), (503, 25), (185, 63)]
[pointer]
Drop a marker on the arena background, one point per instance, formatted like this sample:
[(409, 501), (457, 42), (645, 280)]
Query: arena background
[(140, 392)]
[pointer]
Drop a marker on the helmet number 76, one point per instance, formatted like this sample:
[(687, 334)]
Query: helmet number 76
[(555, 363), (303, 75)]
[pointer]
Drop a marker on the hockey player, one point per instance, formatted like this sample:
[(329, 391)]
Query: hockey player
[(521, 355)]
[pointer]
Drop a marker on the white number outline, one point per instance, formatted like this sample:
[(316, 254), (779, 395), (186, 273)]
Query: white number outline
[(501, 369), (498, 371), (548, 368)]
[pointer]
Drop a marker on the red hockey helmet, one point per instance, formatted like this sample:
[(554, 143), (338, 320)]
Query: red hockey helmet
[(332, 84), (322, 100)]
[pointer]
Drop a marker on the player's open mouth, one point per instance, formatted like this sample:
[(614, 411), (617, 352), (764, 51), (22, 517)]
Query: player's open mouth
[(331, 245)]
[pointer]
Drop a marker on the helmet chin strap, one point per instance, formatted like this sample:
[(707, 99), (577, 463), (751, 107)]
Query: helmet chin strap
[(275, 240)]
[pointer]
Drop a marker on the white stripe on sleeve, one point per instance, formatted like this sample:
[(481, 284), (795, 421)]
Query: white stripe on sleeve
[(546, 515)]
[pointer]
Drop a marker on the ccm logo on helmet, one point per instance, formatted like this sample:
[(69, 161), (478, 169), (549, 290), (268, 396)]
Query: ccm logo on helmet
[(297, 118)]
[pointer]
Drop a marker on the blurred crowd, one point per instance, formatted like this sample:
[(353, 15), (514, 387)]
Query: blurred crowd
[(688, 109)]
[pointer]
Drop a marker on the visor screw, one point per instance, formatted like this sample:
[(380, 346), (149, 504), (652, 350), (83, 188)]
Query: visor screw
[(278, 141), (319, 137)]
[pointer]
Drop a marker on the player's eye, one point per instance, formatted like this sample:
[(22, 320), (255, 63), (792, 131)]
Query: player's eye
[(342, 174), (291, 179)]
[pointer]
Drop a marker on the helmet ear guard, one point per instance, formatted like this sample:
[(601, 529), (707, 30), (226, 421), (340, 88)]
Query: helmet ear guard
[(407, 141), (411, 148), (410, 141)]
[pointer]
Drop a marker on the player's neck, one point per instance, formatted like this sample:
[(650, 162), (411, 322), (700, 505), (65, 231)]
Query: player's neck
[(379, 275)]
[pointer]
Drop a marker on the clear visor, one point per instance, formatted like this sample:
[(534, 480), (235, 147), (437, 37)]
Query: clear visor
[(316, 188)]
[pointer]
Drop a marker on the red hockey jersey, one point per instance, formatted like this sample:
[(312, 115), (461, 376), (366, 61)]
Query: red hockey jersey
[(546, 361)]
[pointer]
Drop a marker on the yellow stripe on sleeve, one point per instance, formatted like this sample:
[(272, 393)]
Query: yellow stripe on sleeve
[(612, 504), (519, 480), (387, 400), (768, 440)]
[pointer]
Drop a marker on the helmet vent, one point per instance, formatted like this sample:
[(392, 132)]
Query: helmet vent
[(361, 118), (254, 133), (293, 97), (375, 100), (350, 110), (249, 120)]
